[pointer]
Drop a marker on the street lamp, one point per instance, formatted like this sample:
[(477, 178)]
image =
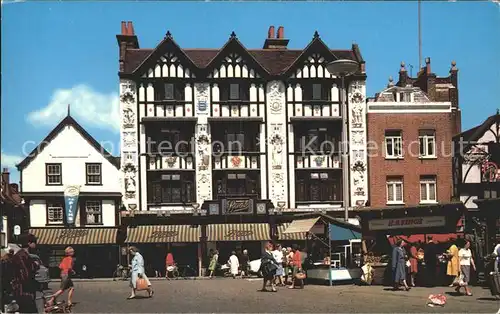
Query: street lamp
[(343, 68)]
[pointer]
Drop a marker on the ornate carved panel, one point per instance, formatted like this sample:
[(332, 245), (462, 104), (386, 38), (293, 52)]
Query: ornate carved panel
[(203, 147)]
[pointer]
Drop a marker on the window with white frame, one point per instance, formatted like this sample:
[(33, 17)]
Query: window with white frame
[(393, 144), (93, 173), (55, 213), (428, 190), (427, 143), (93, 212), (394, 190), (53, 174)]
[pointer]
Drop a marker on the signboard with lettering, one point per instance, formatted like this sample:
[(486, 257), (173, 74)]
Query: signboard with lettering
[(407, 222), (231, 234), (237, 206), (162, 234), (71, 194), (73, 233)]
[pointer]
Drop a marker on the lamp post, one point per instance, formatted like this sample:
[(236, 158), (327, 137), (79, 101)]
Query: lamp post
[(343, 68)]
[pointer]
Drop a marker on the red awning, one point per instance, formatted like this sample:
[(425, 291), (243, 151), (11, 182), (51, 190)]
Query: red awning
[(438, 238)]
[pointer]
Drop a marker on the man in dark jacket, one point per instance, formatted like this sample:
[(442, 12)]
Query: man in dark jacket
[(21, 275), (430, 258)]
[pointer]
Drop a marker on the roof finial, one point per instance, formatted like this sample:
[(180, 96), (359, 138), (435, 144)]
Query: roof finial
[(498, 111), (391, 82), (403, 67), (453, 65), (69, 110), (168, 35), (233, 35), (316, 34)]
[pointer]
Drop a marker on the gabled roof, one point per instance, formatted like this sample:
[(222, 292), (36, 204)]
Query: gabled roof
[(231, 44), (68, 121), (272, 61), (387, 95), (475, 133), (152, 56)]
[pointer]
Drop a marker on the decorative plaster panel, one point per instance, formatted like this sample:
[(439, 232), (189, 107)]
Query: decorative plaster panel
[(203, 143)]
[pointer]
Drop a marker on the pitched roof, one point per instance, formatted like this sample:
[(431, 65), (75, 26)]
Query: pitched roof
[(476, 132), (68, 121), (274, 61)]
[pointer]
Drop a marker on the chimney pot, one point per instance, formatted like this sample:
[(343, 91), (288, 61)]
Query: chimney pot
[(428, 65), (5, 170), (270, 32), (130, 28), (281, 32), (124, 28)]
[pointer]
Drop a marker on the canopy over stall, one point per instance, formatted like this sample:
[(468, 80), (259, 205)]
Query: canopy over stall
[(310, 224)]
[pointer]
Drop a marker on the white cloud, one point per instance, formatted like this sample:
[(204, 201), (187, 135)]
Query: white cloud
[(10, 161), (88, 107)]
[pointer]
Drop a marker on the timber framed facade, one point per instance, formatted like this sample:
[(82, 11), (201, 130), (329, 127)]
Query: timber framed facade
[(237, 130)]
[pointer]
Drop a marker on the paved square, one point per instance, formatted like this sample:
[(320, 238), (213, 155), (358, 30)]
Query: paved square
[(241, 296)]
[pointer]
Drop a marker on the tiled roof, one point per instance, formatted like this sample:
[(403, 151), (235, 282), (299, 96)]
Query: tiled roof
[(275, 61)]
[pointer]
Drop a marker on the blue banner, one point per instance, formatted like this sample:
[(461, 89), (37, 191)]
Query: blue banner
[(71, 203)]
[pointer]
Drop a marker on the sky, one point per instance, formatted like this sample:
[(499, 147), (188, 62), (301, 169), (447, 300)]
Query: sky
[(56, 53)]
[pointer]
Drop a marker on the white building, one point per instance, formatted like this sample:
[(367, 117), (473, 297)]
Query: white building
[(69, 158), (237, 122)]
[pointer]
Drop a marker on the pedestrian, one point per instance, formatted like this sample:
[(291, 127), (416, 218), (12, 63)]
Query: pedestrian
[(20, 274), (296, 264), (496, 254), (430, 259), (170, 266), (466, 261), (234, 264), (138, 272), (453, 267), (268, 266), (288, 263), (413, 264), (67, 271), (213, 263), (278, 256), (399, 265), (244, 264)]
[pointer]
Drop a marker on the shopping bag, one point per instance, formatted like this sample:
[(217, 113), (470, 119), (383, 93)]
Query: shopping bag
[(300, 276), (141, 284)]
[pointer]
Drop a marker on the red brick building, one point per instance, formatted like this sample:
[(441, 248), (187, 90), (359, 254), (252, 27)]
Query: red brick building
[(410, 129)]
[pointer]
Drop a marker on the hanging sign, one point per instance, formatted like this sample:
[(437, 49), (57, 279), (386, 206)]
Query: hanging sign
[(407, 222), (71, 194)]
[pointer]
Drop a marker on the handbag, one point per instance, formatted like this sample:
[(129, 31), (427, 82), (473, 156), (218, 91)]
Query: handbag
[(300, 275), (141, 284)]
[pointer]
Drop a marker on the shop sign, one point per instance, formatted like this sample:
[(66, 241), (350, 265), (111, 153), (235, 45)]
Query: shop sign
[(238, 206), (72, 234), (490, 172), (407, 222), (238, 233), (71, 194), (163, 234)]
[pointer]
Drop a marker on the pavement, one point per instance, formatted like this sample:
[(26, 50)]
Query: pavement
[(242, 296)]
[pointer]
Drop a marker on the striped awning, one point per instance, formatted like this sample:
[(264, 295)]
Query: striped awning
[(74, 236), (298, 236), (301, 225), (238, 232), (163, 234)]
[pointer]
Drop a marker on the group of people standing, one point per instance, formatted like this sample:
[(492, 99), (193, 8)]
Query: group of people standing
[(238, 263), (406, 262), (276, 264)]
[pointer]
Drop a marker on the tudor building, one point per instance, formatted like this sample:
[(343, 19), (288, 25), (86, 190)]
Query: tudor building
[(70, 159), (476, 177), (233, 133)]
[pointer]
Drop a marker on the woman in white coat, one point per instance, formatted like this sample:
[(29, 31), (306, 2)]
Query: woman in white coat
[(234, 264)]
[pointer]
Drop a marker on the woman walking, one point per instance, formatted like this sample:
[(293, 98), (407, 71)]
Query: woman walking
[(453, 266), (466, 260), (138, 272), (399, 265), (244, 264), (234, 264), (413, 264), (268, 266), (213, 263), (67, 271), (278, 257)]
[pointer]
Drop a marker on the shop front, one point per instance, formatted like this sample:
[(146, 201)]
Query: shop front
[(237, 237), (382, 227), (96, 250), (156, 241)]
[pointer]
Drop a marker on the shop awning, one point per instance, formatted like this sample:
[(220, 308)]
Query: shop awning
[(298, 236), (238, 232), (301, 225), (74, 236), (163, 234)]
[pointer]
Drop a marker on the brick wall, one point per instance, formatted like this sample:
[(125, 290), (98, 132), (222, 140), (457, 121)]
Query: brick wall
[(410, 168)]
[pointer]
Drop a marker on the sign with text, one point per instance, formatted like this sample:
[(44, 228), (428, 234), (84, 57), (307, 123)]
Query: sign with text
[(160, 234), (238, 233), (237, 206), (71, 194), (73, 233), (407, 222)]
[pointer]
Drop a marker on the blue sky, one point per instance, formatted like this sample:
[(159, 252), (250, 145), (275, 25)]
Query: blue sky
[(56, 53)]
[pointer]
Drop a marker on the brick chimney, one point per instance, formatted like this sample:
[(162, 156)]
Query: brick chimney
[(276, 43), (6, 176), (126, 40)]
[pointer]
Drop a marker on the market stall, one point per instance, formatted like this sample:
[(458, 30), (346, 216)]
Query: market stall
[(414, 224)]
